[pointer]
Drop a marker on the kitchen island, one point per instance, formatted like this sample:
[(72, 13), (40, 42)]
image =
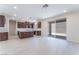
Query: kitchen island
[(25, 33)]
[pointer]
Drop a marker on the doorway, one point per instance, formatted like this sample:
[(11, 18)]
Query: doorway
[(12, 28)]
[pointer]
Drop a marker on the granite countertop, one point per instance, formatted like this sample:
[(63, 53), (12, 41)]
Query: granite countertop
[(3, 29), (37, 29), (25, 30), (28, 30)]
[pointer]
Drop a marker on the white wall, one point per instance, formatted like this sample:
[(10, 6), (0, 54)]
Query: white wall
[(72, 26)]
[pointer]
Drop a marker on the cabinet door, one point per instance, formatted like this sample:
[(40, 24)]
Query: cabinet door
[(32, 25), (2, 21), (38, 33), (39, 24), (4, 36), (21, 25)]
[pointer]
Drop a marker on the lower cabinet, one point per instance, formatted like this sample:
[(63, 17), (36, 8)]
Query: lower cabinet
[(38, 33), (25, 34), (3, 36)]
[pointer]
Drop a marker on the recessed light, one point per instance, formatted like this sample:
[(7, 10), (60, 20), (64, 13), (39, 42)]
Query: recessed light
[(15, 7), (65, 11)]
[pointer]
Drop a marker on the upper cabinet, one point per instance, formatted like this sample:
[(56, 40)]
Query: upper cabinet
[(29, 25), (2, 21), (25, 25), (32, 25), (21, 25), (39, 24)]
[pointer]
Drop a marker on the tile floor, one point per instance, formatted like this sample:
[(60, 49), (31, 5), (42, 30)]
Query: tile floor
[(38, 46)]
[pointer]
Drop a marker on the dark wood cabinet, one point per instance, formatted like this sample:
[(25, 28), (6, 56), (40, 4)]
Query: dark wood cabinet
[(25, 25), (39, 24), (32, 25), (29, 25), (2, 21), (21, 25), (3, 36), (38, 33), (25, 34)]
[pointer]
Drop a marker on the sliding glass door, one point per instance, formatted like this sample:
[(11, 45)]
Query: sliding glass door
[(61, 28), (57, 28)]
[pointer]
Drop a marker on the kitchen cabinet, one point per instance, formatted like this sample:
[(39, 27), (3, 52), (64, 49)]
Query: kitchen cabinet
[(2, 21), (25, 34), (25, 25), (21, 25), (39, 24), (37, 33), (3, 36)]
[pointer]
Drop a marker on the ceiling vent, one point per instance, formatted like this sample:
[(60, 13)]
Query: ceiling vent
[(45, 6)]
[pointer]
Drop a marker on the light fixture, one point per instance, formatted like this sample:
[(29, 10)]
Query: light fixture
[(45, 6), (65, 11), (15, 7)]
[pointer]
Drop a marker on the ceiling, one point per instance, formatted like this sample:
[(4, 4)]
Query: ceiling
[(36, 11)]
